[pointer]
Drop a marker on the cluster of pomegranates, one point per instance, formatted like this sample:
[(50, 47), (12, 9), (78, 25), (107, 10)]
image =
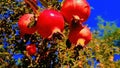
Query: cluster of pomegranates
[(50, 22)]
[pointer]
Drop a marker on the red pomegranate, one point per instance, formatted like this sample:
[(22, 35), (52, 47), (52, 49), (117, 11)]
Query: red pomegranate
[(80, 35), (31, 49), (79, 8), (50, 22), (24, 24)]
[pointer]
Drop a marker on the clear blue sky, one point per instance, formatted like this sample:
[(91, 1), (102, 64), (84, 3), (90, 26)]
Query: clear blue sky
[(109, 10)]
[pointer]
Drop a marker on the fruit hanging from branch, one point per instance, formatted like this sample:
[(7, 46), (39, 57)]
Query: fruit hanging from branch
[(26, 24), (79, 8), (80, 35), (49, 23), (31, 49)]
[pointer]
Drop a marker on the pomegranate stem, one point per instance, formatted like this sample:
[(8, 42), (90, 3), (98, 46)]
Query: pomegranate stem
[(33, 6)]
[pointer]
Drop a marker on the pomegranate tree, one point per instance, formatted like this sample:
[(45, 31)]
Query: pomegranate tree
[(49, 26)]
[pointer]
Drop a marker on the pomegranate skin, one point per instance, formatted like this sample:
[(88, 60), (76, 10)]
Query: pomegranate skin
[(80, 33), (80, 8), (24, 22), (49, 22)]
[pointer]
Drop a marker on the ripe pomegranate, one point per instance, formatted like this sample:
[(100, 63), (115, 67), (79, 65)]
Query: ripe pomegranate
[(80, 35), (24, 24), (80, 8), (50, 22), (31, 49)]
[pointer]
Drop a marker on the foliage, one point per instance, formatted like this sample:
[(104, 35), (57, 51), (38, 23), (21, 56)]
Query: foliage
[(100, 52)]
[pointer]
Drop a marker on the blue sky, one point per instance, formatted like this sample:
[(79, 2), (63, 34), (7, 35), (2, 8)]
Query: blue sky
[(109, 10)]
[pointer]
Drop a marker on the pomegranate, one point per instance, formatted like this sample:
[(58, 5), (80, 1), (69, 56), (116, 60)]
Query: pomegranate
[(31, 49), (78, 8), (24, 24), (80, 35), (50, 22)]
